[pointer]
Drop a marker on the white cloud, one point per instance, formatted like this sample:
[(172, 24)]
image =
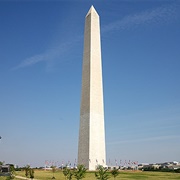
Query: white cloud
[(163, 13), (47, 56), (156, 15), (30, 61)]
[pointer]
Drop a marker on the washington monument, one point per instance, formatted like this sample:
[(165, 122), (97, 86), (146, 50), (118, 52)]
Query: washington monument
[(91, 148)]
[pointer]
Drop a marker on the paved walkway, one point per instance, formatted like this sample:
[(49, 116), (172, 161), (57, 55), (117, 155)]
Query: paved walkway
[(20, 177)]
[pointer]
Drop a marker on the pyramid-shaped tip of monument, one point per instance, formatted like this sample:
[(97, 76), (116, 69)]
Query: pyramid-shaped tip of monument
[(91, 10)]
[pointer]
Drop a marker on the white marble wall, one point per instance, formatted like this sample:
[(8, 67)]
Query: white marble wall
[(91, 150)]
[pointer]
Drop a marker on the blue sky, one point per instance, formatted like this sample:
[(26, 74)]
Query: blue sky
[(41, 47)]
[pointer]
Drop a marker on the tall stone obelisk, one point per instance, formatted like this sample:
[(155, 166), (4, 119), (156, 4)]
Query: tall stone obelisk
[(91, 149)]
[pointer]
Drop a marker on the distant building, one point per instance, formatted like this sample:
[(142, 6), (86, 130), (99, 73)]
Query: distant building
[(166, 165), (5, 170)]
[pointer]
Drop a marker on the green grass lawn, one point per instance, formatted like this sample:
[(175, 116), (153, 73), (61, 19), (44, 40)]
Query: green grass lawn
[(123, 175)]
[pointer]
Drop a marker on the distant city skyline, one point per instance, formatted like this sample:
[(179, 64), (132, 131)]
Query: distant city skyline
[(40, 78)]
